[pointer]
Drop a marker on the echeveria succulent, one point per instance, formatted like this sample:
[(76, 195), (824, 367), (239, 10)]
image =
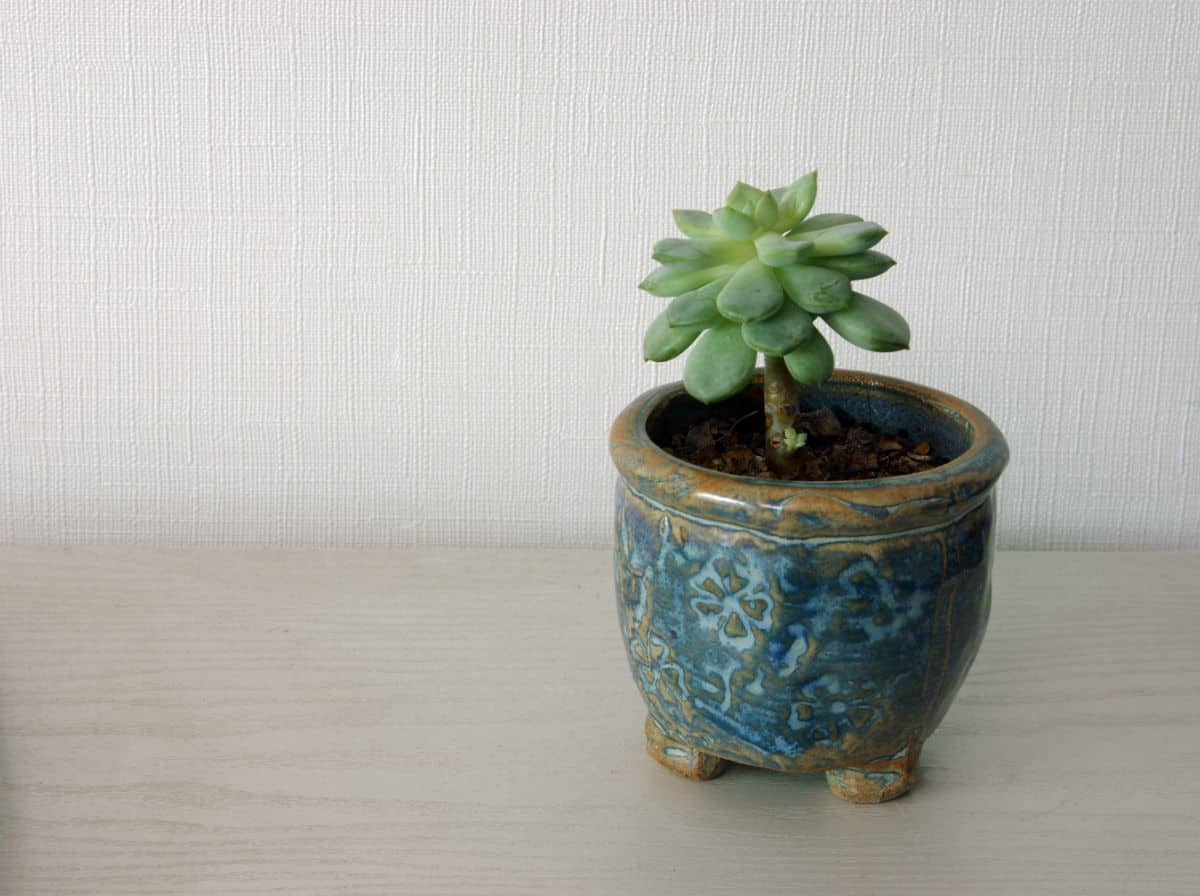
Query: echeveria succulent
[(753, 276)]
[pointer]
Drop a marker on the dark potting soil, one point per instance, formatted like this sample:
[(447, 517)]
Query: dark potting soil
[(838, 448)]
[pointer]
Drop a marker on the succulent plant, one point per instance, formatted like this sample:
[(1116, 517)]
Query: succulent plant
[(753, 276)]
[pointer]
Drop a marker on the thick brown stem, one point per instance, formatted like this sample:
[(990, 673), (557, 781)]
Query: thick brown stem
[(781, 401)]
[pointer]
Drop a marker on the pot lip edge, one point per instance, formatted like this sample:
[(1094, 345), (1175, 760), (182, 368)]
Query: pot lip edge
[(987, 450)]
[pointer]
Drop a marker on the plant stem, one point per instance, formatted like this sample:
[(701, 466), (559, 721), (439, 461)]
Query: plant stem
[(781, 401)]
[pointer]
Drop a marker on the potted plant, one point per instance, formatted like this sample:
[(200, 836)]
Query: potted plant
[(802, 554)]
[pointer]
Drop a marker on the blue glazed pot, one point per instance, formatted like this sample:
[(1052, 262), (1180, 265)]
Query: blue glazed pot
[(804, 626)]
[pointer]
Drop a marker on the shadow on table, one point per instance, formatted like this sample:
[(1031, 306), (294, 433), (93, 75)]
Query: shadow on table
[(787, 793)]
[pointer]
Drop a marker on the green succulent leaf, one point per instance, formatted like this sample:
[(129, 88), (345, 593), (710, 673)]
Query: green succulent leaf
[(870, 324), (674, 251), (752, 292), (795, 201), (792, 440), (701, 252), (811, 361), (780, 333), (664, 342), (734, 223), (674, 280), (695, 223), (816, 290), (821, 222), (846, 239), (720, 366), (744, 198), (862, 266), (766, 211), (777, 251), (697, 308)]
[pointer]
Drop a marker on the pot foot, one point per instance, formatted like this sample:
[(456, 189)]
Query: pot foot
[(680, 758), (877, 782)]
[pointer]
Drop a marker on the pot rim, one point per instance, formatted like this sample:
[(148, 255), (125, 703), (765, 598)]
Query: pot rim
[(794, 509)]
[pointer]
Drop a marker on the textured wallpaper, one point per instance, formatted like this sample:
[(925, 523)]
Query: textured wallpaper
[(343, 272)]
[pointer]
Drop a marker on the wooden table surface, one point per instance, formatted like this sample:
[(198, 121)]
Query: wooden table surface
[(237, 721)]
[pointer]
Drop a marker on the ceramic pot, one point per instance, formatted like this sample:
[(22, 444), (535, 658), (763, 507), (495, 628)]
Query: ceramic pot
[(804, 626)]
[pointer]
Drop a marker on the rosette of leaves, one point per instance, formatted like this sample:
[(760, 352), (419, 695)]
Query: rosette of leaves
[(753, 277)]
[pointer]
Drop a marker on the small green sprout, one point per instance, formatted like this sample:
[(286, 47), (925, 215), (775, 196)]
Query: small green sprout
[(793, 441), (754, 276)]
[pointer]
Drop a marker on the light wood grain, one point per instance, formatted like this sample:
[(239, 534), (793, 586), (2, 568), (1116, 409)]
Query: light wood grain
[(241, 721)]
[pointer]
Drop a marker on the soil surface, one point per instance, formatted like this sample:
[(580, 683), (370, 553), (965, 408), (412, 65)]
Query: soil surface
[(838, 448)]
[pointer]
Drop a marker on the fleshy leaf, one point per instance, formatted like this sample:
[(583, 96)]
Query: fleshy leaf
[(697, 308), (735, 224), (821, 222), (777, 251), (812, 361), (795, 201), (870, 324), (715, 251), (857, 267), (744, 198), (694, 223), (672, 251), (766, 211), (664, 342), (720, 365), (816, 290), (792, 440), (846, 239), (780, 333), (752, 292), (701, 252), (675, 280)]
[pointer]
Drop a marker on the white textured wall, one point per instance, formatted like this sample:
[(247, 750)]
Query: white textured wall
[(364, 272)]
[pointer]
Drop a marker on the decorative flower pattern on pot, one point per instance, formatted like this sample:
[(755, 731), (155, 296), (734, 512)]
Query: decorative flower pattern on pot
[(732, 598), (651, 658), (870, 610), (828, 708)]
